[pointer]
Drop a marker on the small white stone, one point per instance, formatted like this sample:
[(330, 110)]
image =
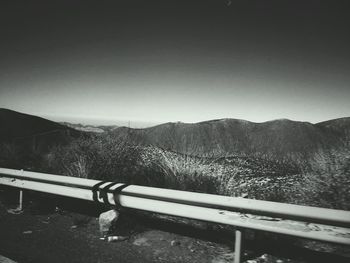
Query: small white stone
[(174, 243), (106, 220)]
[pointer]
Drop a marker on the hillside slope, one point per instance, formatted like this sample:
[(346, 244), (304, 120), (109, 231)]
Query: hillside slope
[(16, 125), (25, 138)]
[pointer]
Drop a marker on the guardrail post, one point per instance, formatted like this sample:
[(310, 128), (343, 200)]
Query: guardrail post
[(20, 206), (238, 245)]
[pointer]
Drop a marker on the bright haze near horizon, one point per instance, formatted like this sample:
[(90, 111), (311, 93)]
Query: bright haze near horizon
[(109, 62)]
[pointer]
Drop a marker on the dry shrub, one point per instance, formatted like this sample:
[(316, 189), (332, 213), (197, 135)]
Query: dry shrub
[(329, 189), (95, 157)]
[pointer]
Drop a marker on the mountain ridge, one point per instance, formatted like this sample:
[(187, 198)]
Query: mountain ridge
[(277, 139)]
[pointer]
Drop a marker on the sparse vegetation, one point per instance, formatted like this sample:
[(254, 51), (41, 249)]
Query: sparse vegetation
[(98, 157), (325, 189), (314, 172), (107, 157), (117, 159), (19, 156)]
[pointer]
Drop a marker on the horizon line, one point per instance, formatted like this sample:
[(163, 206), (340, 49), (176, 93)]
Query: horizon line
[(108, 121)]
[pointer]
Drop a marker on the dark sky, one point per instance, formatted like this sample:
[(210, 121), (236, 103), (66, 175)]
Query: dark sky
[(159, 61)]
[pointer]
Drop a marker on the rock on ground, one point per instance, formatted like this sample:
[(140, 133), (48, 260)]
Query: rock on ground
[(107, 219)]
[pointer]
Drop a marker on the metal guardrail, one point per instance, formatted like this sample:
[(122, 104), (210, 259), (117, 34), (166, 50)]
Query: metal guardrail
[(315, 223)]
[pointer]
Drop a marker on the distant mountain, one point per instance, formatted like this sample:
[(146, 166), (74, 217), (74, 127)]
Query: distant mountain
[(84, 128), (277, 139)]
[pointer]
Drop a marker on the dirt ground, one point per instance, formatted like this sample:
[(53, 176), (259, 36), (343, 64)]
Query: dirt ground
[(42, 235)]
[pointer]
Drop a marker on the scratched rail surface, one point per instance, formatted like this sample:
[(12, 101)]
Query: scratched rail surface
[(315, 223)]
